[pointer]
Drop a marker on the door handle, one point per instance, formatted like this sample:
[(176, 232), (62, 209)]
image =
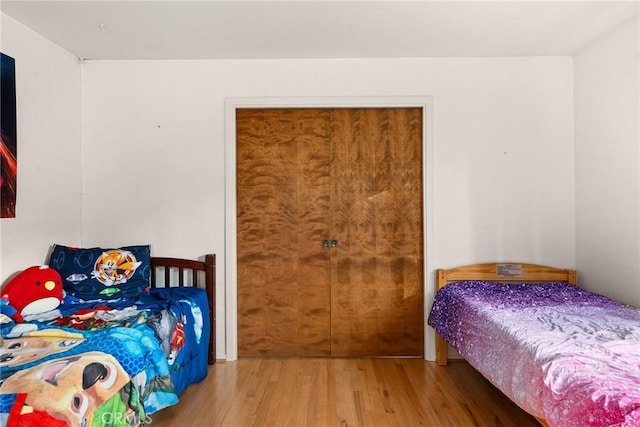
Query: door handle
[(328, 243)]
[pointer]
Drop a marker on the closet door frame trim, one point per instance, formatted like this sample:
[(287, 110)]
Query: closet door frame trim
[(231, 254)]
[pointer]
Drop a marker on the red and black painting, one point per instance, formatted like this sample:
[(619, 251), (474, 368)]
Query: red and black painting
[(8, 138)]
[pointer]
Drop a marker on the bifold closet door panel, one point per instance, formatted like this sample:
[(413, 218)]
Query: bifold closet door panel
[(377, 304), (282, 218)]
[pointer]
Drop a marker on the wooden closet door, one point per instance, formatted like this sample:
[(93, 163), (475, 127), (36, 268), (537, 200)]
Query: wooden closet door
[(377, 218), (353, 175), (282, 218)]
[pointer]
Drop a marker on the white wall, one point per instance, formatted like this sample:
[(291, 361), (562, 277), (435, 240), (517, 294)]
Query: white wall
[(49, 168), (154, 150), (607, 156)]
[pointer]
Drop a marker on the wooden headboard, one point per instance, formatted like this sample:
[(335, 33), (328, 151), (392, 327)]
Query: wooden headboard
[(168, 272), (506, 272), (498, 271)]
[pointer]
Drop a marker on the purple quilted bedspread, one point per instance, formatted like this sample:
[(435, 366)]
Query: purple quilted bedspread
[(561, 353)]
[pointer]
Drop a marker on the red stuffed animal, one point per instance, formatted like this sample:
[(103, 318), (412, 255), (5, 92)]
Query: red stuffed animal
[(37, 289)]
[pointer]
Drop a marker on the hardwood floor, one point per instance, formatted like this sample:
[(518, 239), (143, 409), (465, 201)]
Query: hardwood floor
[(325, 392)]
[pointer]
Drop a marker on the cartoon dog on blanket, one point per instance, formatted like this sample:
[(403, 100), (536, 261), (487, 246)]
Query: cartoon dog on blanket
[(68, 389)]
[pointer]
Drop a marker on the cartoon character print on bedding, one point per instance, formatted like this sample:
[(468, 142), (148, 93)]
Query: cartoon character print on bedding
[(114, 267), (71, 388), (169, 332), (143, 383), (97, 273)]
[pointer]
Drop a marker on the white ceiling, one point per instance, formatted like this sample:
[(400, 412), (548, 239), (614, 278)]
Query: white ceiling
[(213, 29)]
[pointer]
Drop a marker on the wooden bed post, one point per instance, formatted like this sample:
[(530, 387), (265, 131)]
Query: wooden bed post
[(442, 355), (210, 267)]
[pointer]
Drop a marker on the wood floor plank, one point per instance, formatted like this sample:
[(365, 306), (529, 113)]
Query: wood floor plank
[(342, 392)]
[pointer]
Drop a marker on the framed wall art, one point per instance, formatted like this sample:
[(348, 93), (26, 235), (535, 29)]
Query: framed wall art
[(8, 138)]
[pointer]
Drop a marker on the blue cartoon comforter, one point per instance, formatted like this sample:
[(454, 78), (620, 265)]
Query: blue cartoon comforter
[(104, 365)]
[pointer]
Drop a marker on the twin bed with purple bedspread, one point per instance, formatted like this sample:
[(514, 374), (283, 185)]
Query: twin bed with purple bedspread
[(567, 356)]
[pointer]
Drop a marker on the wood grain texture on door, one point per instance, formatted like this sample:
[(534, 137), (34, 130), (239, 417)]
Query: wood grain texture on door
[(282, 218), (351, 175), (377, 217)]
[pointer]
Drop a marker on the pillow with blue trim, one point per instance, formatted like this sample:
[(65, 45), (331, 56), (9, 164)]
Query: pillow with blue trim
[(103, 274)]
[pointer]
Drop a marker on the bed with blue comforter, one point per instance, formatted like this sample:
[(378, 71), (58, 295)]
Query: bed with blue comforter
[(106, 362)]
